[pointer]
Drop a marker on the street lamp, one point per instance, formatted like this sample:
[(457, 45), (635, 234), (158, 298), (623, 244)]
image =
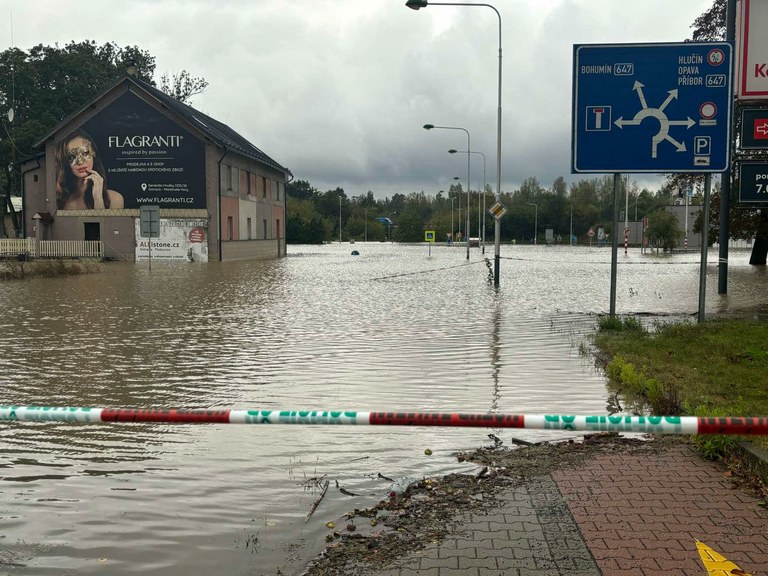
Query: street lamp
[(389, 226), (481, 211), (415, 5), (430, 127), (536, 221), (366, 224)]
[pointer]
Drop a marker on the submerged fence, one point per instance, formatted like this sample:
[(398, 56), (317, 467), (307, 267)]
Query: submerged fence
[(645, 424)]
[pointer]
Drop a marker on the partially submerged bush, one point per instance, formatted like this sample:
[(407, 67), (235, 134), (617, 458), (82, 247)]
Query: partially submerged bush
[(19, 270)]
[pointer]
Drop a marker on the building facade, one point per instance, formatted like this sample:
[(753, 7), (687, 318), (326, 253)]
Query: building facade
[(219, 196)]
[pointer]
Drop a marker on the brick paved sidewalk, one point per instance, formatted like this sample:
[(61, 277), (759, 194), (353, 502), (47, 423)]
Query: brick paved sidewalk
[(622, 514)]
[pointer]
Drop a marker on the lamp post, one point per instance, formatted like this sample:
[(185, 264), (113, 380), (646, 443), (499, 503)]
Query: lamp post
[(366, 224), (480, 211), (415, 5), (536, 221), (452, 220), (570, 236), (339, 218), (389, 226), (430, 127), (459, 209)]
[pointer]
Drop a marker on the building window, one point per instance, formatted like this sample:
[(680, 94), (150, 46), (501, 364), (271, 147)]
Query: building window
[(278, 192), (230, 228), (228, 176), (248, 183), (277, 229), (263, 187), (249, 228), (265, 228)]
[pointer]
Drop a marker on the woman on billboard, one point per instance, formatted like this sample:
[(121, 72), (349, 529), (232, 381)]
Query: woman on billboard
[(80, 177)]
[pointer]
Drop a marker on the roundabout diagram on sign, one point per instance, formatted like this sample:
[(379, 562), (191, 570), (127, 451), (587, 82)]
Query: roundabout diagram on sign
[(657, 113)]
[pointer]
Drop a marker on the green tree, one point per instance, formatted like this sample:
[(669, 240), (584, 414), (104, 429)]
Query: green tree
[(182, 85), (663, 230)]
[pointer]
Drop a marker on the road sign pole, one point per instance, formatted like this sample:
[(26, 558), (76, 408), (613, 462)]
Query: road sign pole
[(725, 181), (704, 240), (615, 240)]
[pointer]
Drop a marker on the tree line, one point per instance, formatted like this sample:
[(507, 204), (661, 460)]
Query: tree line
[(315, 217)]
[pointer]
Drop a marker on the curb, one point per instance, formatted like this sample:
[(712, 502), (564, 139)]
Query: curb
[(756, 458)]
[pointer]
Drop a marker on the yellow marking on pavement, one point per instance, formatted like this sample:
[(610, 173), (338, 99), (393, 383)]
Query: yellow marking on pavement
[(717, 564)]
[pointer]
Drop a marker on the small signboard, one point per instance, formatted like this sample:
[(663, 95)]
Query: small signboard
[(429, 236), (753, 182), (149, 221), (754, 128)]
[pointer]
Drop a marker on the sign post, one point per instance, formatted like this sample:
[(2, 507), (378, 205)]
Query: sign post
[(429, 238), (149, 225)]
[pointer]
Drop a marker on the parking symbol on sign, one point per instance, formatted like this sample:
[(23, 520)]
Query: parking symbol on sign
[(598, 118), (702, 146)]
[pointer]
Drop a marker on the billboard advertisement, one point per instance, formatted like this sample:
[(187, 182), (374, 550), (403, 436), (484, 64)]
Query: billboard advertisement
[(180, 240), (129, 155)]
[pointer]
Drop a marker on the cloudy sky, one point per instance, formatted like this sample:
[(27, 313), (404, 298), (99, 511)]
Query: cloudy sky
[(338, 90)]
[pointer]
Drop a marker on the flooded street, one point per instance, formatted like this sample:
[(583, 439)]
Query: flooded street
[(394, 328)]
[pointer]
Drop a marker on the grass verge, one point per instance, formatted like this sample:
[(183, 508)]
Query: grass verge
[(715, 368)]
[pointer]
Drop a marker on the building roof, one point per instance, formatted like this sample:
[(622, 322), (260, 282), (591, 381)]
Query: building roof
[(220, 133)]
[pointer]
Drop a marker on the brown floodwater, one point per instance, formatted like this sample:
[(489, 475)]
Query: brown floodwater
[(394, 328)]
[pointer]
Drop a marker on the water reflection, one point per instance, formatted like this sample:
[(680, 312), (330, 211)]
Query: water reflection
[(393, 328)]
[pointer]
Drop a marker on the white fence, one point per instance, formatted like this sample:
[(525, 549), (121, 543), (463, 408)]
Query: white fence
[(52, 248)]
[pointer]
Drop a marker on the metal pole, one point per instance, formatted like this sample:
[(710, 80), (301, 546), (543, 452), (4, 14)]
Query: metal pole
[(615, 240), (686, 218), (482, 218), (570, 236), (452, 236), (704, 242), (497, 226), (339, 219), (366, 224), (725, 182), (626, 211), (469, 192)]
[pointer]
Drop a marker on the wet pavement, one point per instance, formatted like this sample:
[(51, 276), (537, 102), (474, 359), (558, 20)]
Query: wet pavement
[(618, 514)]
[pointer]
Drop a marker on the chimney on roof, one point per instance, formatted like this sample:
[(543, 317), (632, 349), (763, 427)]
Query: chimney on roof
[(132, 70)]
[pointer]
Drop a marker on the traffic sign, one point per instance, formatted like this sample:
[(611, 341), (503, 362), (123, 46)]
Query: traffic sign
[(753, 182), (149, 221), (651, 107), (497, 210), (429, 235), (754, 128)]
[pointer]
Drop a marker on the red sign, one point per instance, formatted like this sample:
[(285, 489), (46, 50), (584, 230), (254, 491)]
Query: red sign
[(197, 235), (760, 129)]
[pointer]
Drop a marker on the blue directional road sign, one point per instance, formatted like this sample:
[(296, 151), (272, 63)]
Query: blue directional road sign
[(651, 107)]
